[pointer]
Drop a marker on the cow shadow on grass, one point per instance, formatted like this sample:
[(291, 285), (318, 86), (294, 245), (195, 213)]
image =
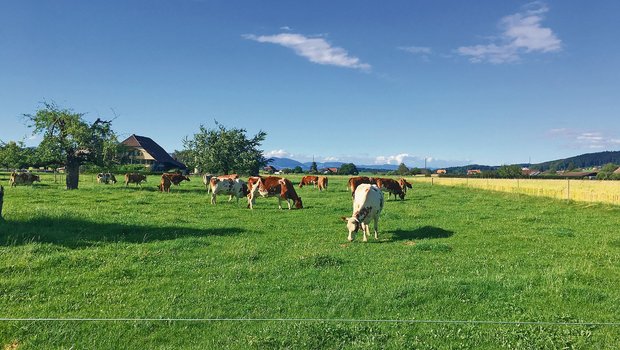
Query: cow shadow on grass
[(425, 232), (74, 233)]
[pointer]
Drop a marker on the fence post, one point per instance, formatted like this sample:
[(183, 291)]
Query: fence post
[(568, 189), (432, 181), (1, 200)]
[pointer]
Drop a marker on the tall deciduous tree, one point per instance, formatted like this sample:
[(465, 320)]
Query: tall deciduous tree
[(71, 141), (224, 151)]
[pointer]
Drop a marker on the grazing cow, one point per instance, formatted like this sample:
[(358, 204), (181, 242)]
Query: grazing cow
[(164, 184), (23, 179), (322, 183), (309, 179), (176, 178), (391, 186), (229, 176), (106, 178), (358, 180), (232, 187), (134, 178), (206, 179), (404, 184), (367, 206), (272, 186)]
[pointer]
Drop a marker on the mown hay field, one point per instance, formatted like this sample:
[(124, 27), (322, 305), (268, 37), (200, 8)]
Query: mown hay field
[(577, 190), (443, 254)]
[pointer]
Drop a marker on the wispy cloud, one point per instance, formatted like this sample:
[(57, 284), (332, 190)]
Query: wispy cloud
[(416, 49), (287, 28), (520, 33), (594, 140), (279, 153), (316, 50)]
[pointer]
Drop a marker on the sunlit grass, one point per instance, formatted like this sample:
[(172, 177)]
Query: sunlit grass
[(445, 253)]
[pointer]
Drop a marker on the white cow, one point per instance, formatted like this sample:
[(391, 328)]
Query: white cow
[(367, 205), (232, 187)]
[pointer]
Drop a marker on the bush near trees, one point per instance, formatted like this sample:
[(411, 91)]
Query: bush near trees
[(225, 151), (348, 169), (607, 172), (298, 170)]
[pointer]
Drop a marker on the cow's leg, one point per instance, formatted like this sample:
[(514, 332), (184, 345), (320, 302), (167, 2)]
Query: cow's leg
[(364, 229), (213, 196), (350, 238), (280, 203), (230, 197), (376, 227)]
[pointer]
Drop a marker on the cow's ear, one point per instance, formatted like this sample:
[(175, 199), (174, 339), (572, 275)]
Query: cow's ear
[(344, 218)]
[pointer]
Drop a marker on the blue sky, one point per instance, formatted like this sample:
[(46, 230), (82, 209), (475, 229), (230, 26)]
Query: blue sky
[(490, 82)]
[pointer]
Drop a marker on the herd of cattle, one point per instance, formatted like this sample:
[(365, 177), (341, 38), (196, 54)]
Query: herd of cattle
[(367, 192)]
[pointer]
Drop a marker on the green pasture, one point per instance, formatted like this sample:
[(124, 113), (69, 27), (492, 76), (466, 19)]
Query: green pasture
[(444, 253)]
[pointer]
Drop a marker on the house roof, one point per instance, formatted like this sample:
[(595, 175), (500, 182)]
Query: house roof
[(617, 171), (156, 151), (579, 173)]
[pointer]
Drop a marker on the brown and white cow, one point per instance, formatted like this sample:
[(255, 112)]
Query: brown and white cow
[(404, 184), (106, 178), (367, 205), (309, 179), (176, 178), (206, 180), (23, 179), (273, 186), (233, 187), (358, 180), (164, 184), (134, 178), (228, 176), (391, 186), (322, 183)]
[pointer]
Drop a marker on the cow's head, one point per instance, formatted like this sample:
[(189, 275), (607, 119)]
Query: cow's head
[(353, 225), (112, 178), (298, 203), (36, 178), (186, 178)]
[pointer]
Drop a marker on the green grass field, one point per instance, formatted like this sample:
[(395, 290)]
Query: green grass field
[(445, 253)]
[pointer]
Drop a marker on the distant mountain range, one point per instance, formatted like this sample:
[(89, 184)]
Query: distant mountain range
[(586, 160), (280, 163)]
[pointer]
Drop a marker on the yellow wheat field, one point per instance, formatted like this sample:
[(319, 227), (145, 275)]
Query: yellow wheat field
[(577, 190)]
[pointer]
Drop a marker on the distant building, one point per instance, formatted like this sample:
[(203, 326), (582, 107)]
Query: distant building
[(270, 169), (144, 151), (328, 171), (441, 171), (474, 172), (617, 171)]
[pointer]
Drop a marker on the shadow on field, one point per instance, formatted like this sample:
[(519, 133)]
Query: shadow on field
[(75, 233), (421, 233)]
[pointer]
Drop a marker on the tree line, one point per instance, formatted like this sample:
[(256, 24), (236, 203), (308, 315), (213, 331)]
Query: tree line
[(70, 141)]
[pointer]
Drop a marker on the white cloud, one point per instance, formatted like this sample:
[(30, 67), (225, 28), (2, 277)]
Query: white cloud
[(316, 50), (331, 159), (594, 140), (521, 33), (287, 28), (395, 159), (279, 153)]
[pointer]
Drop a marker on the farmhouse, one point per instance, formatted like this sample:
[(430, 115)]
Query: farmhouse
[(474, 172), (617, 171), (580, 174), (328, 171), (270, 169), (441, 171), (143, 150)]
